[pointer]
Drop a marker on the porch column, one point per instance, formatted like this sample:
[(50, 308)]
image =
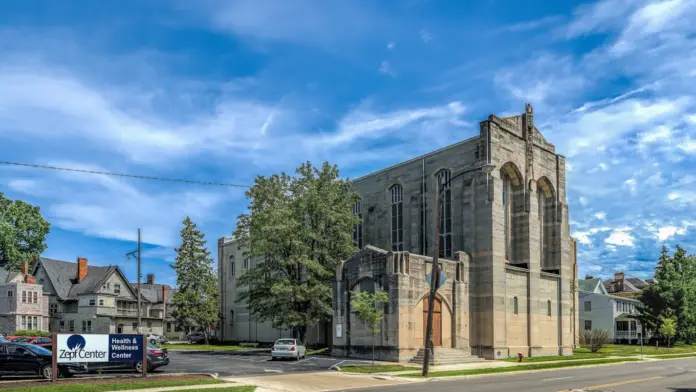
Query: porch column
[(629, 331)]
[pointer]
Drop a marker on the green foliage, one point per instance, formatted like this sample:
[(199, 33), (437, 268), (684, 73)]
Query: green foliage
[(22, 233), (668, 327), (22, 332), (298, 229), (196, 301), (674, 293), (369, 308)]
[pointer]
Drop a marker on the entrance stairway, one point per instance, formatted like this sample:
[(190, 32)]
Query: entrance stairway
[(446, 356)]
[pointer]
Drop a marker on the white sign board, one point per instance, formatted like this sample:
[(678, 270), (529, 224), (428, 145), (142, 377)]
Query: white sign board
[(82, 348), (339, 330)]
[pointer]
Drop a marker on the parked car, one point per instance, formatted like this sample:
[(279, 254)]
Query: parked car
[(46, 343), (19, 358), (288, 348), (3, 340), (155, 339), (195, 337), (156, 357)]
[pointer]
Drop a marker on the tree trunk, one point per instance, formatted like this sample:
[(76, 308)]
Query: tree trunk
[(302, 332), (373, 350)]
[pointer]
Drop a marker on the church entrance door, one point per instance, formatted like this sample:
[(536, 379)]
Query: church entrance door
[(437, 321)]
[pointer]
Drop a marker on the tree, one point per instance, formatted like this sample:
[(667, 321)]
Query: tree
[(196, 301), (595, 339), (668, 328), (370, 311), (298, 229), (22, 232)]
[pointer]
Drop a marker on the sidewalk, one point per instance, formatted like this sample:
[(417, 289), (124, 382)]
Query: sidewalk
[(317, 382), (186, 388)]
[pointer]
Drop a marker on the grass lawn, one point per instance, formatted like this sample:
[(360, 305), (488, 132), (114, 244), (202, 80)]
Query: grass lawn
[(317, 351), (668, 356), (375, 369), (230, 389), (539, 366), (205, 347), (575, 355), (625, 350), (109, 385)]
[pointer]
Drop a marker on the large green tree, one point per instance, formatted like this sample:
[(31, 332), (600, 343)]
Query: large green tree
[(674, 293), (196, 300), (298, 229), (22, 232)]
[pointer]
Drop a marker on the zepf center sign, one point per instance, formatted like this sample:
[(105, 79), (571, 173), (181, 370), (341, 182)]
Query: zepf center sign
[(99, 348)]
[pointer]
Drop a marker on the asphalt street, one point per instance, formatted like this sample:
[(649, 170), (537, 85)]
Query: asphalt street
[(677, 375)]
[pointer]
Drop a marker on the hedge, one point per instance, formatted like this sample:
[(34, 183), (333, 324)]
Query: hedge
[(21, 332)]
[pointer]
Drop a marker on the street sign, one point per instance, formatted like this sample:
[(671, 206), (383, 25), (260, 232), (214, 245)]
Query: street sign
[(429, 279), (98, 348)]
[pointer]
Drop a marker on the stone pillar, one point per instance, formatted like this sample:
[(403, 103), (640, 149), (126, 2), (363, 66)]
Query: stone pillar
[(460, 331), (532, 247)]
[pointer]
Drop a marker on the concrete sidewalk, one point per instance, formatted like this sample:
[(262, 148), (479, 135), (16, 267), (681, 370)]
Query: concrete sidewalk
[(317, 382), (186, 387)]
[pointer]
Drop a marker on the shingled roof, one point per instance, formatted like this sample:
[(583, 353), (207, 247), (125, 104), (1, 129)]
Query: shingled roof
[(6, 276)]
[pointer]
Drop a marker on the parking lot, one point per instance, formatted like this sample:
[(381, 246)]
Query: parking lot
[(245, 364)]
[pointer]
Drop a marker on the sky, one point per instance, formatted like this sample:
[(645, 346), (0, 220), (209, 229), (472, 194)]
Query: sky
[(225, 90)]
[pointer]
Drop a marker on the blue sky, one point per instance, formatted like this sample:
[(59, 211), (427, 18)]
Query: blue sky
[(225, 90)]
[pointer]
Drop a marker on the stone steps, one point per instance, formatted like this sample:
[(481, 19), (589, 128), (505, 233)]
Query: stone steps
[(446, 356)]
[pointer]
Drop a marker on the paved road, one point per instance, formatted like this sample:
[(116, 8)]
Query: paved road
[(678, 375)]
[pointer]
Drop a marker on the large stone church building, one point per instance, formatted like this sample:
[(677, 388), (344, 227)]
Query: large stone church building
[(507, 256)]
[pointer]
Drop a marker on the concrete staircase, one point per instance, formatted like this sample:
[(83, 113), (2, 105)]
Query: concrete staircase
[(446, 356)]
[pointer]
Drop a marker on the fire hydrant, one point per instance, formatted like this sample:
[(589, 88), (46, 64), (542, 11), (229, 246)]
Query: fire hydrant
[(519, 357)]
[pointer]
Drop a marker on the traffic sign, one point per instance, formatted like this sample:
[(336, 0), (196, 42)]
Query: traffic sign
[(429, 279)]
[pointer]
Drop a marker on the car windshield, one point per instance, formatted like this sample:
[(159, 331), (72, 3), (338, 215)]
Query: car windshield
[(37, 349), (3, 340), (20, 340), (285, 342)]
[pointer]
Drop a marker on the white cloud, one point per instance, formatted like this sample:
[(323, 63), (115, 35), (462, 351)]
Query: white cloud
[(582, 237), (631, 184), (664, 233), (583, 201), (598, 17), (688, 145), (600, 215), (391, 45), (620, 238), (660, 133), (531, 24), (385, 68)]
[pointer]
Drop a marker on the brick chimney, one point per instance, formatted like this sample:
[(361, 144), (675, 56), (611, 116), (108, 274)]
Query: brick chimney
[(150, 279), (25, 268), (165, 291), (81, 268), (589, 277), (619, 280)]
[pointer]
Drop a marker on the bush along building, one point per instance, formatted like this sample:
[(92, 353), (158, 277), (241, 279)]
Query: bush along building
[(509, 259), (98, 299), (23, 304)]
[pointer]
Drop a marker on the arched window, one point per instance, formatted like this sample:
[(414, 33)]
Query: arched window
[(506, 217), (515, 306), (446, 214), (547, 215), (357, 228), (548, 308), (246, 264), (397, 218), (511, 199), (233, 266)]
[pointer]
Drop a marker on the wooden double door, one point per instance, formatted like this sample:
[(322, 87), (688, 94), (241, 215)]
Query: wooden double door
[(437, 321)]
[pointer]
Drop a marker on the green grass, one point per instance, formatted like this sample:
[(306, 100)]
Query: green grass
[(375, 369), (205, 347), (230, 389), (317, 351), (668, 356), (116, 386), (560, 358), (627, 350), (540, 366)]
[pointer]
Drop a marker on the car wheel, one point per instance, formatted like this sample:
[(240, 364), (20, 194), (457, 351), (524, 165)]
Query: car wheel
[(152, 341), (139, 366), (47, 372)]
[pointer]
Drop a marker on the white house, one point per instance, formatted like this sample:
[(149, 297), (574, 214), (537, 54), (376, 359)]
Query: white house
[(600, 310)]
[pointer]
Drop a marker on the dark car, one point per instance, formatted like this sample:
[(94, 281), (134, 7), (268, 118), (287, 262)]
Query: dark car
[(195, 337), (46, 343), (19, 358), (156, 357)]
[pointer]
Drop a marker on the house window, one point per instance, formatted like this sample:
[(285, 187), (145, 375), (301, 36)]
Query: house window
[(588, 325), (119, 328), (71, 326), (548, 308), (397, 218), (149, 326), (24, 322), (169, 327), (232, 266), (61, 326), (36, 297), (24, 296), (101, 302), (10, 294), (92, 302), (117, 288), (246, 264), (52, 309), (135, 326), (357, 228), (86, 325), (588, 306), (446, 214), (515, 306)]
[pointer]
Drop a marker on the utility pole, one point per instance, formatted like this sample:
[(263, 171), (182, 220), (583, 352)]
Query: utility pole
[(137, 253)]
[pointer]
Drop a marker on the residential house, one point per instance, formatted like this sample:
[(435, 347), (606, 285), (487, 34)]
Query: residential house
[(160, 296), (93, 299), (626, 287), (23, 305), (602, 310)]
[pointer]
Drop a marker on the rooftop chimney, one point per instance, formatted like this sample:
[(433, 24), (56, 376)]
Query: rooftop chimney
[(81, 268), (619, 280), (150, 279), (589, 277), (164, 300), (25, 268)]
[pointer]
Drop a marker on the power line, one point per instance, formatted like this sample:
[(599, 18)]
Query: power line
[(607, 268), (124, 175)]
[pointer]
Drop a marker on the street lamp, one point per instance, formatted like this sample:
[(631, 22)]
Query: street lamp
[(435, 274)]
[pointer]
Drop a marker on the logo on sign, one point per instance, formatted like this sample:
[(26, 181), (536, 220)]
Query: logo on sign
[(77, 348)]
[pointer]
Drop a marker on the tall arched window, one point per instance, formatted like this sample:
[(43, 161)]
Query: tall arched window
[(506, 217), (547, 215), (397, 218), (357, 228), (548, 308), (515, 306), (512, 201), (446, 214), (233, 266)]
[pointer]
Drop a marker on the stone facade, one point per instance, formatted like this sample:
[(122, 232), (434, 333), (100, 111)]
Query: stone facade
[(23, 304), (512, 221)]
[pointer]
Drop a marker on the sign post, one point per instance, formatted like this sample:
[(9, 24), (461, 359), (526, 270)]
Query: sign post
[(54, 359), (144, 356)]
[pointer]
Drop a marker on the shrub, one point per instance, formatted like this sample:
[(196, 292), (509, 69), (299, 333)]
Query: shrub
[(22, 332), (595, 339)]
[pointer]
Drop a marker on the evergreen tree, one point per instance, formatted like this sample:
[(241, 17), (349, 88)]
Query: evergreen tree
[(298, 229), (196, 301)]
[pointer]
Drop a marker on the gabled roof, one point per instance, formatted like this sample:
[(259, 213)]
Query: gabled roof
[(640, 284), (62, 276), (7, 276), (153, 292), (588, 285), (627, 285)]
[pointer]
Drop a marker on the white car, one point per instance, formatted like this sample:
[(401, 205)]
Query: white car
[(154, 338), (288, 348)]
